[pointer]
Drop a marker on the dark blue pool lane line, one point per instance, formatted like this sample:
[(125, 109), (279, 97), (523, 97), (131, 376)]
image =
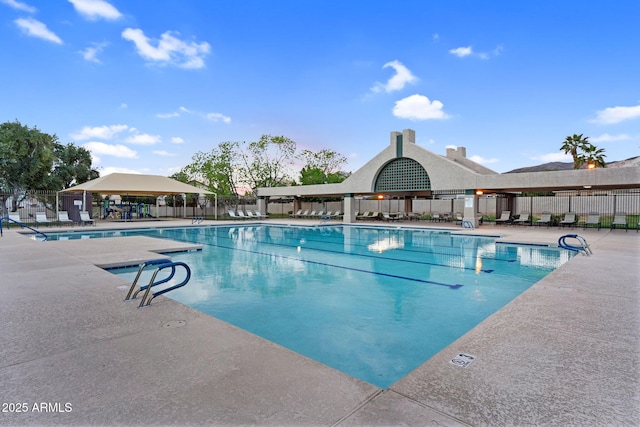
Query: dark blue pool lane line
[(429, 282), (369, 256)]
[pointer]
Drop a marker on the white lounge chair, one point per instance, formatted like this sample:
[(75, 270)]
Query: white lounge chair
[(620, 218), (363, 216), (593, 220), (569, 219), (63, 218), (505, 218), (242, 215), (545, 218), (85, 218), (260, 216), (387, 217), (233, 215), (41, 218), (297, 214), (522, 219)]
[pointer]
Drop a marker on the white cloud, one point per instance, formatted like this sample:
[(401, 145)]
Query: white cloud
[(143, 139), (91, 53), (169, 49), (398, 81), (613, 115), (177, 140), (482, 160), (163, 153), (605, 137), (100, 132), (461, 52), (553, 157), (419, 107), (95, 9), (35, 28), (19, 6), (123, 106), (217, 117), (168, 115), (114, 169), (117, 150)]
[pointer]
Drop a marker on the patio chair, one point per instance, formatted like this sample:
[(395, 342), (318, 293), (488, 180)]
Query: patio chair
[(85, 218), (336, 214), (387, 217), (363, 216), (260, 216), (63, 218), (545, 218), (505, 218), (14, 217), (458, 217), (523, 218), (308, 215), (41, 218), (375, 215), (250, 215), (593, 220), (241, 215), (569, 219), (233, 215), (620, 218), (295, 215)]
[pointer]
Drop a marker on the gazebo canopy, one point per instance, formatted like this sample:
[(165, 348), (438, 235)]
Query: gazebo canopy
[(135, 185)]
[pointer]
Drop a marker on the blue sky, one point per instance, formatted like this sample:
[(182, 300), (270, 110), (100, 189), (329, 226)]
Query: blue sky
[(144, 85)]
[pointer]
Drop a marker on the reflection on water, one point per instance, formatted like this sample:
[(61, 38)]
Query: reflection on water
[(372, 302)]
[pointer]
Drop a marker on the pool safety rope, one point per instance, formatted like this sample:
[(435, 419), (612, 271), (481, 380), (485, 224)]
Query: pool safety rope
[(584, 246)]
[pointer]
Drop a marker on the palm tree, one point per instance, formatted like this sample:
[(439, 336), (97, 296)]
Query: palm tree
[(592, 155), (571, 146)]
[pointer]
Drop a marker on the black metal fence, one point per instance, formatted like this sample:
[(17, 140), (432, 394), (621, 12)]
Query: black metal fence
[(606, 204)]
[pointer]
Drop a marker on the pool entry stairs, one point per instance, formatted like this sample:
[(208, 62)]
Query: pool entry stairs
[(582, 246), (159, 264)]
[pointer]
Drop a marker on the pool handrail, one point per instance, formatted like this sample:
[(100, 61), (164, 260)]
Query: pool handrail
[(160, 264), (584, 246), (21, 224), (152, 282)]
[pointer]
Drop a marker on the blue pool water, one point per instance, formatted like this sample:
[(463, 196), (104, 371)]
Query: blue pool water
[(373, 302)]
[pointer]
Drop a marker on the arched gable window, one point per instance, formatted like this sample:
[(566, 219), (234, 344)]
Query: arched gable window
[(402, 174)]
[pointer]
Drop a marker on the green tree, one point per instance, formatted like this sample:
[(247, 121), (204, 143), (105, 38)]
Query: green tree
[(216, 170), (26, 159), (26, 156), (322, 167), (593, 155), (582, 151), (267, 162), (72, 166)]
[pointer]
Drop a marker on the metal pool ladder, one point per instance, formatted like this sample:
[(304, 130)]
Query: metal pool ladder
[(584, 246), (160, 264)]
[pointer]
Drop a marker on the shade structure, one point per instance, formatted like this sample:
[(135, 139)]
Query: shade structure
[(135, 185)]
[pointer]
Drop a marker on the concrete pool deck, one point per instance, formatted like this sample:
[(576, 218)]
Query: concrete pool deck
[(565, 352)]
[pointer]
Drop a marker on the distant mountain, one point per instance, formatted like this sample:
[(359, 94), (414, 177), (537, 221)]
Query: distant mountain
[(562, 166)]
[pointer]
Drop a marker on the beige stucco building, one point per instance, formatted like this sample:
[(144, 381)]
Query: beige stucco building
[(407, 171)]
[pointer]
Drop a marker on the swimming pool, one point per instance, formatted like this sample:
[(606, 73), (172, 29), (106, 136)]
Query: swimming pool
[(372, 302)]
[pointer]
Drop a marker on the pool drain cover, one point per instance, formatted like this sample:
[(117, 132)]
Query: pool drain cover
[(174, 324), (463, 360)]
